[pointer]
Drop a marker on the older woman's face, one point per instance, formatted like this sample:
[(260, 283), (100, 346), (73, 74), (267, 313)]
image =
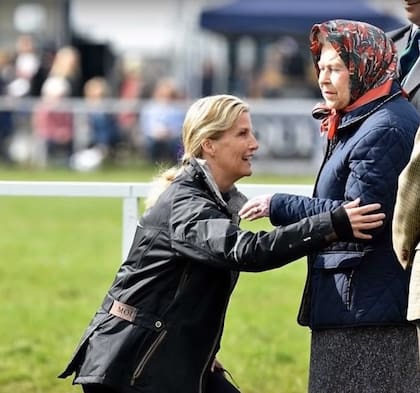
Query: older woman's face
[(334, 78)]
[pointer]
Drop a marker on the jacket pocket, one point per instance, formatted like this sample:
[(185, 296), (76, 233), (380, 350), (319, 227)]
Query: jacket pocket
[(338, 260), (147, 355), (333, 281)]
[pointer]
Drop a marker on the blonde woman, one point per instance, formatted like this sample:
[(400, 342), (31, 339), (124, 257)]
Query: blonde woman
[(160, 325)]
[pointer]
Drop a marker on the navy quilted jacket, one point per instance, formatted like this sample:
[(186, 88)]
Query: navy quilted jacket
[(357, 283)]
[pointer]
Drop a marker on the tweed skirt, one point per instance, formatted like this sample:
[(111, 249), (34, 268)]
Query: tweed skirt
[(365, 360)]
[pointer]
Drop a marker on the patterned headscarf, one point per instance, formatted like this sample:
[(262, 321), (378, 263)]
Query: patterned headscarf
[(369, 55)]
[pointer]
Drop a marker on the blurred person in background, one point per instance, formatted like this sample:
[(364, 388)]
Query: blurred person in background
[(6, 115), (130, 88), (161, 123), (53, 125), (67, 65), (102, 126), (406, 230), (355, 297), (207, 77), (26, 64), (270, 80), (47, 55), (160, 325), (407, 41)]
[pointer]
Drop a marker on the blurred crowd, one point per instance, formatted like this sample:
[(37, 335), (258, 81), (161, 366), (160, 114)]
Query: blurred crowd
[(53, 130), (283, 69)]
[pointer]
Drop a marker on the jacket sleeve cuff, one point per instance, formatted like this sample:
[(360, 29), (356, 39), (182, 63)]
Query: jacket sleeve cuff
[(341, 223)]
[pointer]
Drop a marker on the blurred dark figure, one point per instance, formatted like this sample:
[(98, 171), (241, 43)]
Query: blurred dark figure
[(6, 116), (46, 61), (293, 62), (207, 78), (407, 41)]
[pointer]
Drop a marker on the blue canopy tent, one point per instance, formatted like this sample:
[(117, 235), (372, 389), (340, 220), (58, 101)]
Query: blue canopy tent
[(261, 17), (266, 19)]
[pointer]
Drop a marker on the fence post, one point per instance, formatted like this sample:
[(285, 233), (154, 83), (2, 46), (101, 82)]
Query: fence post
[(129, 222)]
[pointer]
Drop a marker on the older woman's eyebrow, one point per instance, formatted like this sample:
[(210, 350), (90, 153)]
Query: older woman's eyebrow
[(333, 61)]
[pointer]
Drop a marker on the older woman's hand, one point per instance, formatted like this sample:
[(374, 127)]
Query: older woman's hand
[(256, 207)]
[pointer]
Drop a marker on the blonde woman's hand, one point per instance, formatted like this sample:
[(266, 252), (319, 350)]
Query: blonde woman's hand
[(363, 218), (256, 207)]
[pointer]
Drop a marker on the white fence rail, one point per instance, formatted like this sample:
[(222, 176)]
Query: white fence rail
[(130, 193)]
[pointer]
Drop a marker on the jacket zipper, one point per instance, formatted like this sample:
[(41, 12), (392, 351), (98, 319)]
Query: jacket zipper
[(147, 356), (207, 363), (182, 281), (159, 338), (209, 357), (348, 291)]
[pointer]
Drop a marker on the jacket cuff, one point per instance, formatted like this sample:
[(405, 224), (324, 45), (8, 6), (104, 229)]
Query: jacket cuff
[(341, 223)]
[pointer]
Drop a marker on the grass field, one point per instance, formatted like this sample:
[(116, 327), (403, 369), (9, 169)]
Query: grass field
[(59, 256)]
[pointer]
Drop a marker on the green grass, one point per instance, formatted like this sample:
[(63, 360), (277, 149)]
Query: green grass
[(59, 256)]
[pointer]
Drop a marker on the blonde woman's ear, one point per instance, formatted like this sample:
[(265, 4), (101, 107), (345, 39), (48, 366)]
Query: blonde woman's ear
[(208, 147)]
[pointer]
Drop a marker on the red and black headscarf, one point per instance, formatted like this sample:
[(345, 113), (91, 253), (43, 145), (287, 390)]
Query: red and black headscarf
[(369, 55)]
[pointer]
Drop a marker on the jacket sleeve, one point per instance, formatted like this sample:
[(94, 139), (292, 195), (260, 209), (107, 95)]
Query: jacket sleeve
[(203, 233), (373, 164), (288, 208), (406, 221)]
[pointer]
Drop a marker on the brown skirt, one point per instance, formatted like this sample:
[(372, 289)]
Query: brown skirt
[(365, 360)]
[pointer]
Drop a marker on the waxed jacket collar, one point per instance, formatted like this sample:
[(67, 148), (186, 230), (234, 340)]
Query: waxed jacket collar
[(232, 200)]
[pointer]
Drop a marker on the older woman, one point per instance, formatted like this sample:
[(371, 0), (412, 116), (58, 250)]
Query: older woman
[(159, 327), (355, 298)]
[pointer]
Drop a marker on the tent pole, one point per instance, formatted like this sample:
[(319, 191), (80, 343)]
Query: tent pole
[(232, 60)]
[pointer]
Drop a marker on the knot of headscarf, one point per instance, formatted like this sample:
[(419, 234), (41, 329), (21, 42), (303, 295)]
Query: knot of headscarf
[(369, 55)]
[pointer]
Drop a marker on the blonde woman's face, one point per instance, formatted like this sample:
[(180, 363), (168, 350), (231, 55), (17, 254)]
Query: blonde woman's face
[(229, 157), (334, 78)]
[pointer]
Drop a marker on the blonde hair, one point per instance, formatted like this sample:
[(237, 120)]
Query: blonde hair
[(207, 118), (66, 62)]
